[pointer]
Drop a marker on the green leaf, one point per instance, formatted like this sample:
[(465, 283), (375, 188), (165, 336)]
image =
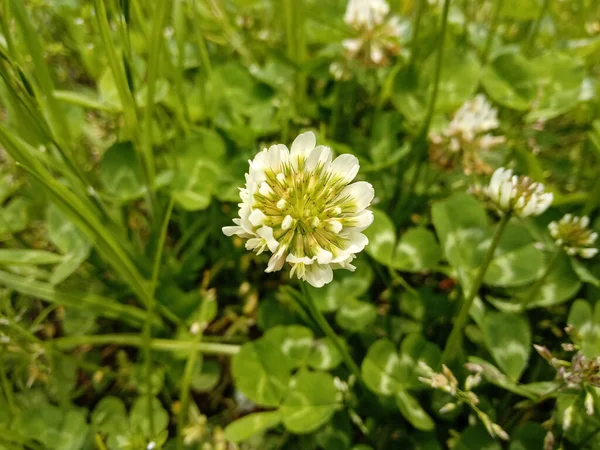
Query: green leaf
[(138, 416), (461, 235), (19, 257), (417, 250), (516, 267), (16, 215), (261, 372), (349, 284), (355, 315), (199, 159), (121, 172), (381, 368), (559, 77), (520, 9), (324, 355), (415, 348), (584, 273), (527, 436), (110, 416), (310, 402), (252, 424), (413, 412), (294, 341), (561, 284), (508, 338), (74, 431), (382, 238), (459, 78), (510, 81), (476, 438), (587, 325)]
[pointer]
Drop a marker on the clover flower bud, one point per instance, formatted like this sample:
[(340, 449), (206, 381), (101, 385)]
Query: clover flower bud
[(572, 234), (512, 194), (302, 207)]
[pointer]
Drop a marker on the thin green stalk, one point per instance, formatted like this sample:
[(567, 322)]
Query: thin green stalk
[(134, 340), (438, 71), (300, 39), (147, 331), (416, 27), (190, 365), (154, 51), (329, 332), (530, 42), (180, 25), (540, 281), (454, 341), (290, 35), (8, 392), (492, 33), (202, 49)]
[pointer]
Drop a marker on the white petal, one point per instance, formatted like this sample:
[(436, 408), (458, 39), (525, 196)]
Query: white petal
[(293, 259), (358, 242), (257, 217), (320, 155), (588, 252), (345, 166), (287, 222), (323, 256), (267, 234), (276, 261), (237, 230), (360, 194), (318, 275), (362, 220), (334, 226), (506, 189), (302, 146)]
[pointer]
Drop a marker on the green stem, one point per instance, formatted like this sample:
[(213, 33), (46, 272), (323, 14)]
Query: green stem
[(190, 365), (202, 49), (147, 331), (492, 33), (134, 340), (454, 341), (529, 44), (438, 71), (329, 332), (540, 281), (416, 28)]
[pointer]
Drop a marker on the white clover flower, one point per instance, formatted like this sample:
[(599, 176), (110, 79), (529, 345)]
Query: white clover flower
[(512, 194), (572, 234), (378, 36), (366, 13), (301, 206), (467, 133)]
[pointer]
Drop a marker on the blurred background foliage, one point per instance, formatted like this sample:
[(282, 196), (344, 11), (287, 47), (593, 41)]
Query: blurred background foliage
[(128, 321)]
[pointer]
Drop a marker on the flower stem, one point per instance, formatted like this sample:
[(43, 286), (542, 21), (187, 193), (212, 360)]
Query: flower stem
[(329, 332), (438, 72), (420, 5), (492, 33), (454, 341), (134, 340), (530, 42), (147, 330), (190, 365), (540, 281)]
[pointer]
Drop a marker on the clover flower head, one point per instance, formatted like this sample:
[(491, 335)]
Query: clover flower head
[(366, 13), (302, 207), (378, 36), (572, 234), (467, 134), (512, 194)]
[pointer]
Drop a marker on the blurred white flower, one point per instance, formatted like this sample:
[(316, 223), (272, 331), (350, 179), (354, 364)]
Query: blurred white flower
[(366, 13), (299, 205), (518, 195), (378, 36), (572, 234), (467, 134)]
